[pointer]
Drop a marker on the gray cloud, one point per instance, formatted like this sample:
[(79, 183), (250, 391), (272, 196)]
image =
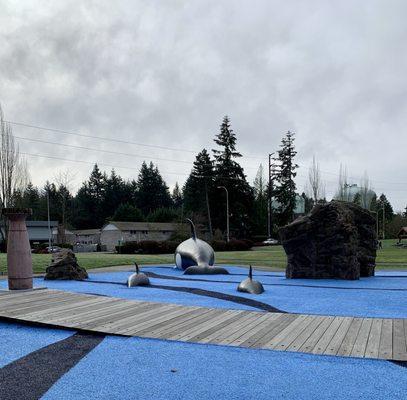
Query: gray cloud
[(165, 73)]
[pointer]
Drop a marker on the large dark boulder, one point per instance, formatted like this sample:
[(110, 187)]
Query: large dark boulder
[(336, 240), (64, 266)]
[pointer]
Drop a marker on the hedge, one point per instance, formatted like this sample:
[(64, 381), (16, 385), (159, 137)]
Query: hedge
[(169, 246)]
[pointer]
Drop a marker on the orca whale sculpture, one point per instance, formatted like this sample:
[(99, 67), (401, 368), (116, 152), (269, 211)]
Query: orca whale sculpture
[(196, 257), (138, 279), (249, 285)]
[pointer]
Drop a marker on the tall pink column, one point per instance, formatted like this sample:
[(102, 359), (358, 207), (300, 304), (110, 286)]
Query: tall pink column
[(19, 262)]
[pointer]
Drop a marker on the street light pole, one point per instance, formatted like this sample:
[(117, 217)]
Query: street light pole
[(270, 195), (383, 222), (49, 222), (227, 212)]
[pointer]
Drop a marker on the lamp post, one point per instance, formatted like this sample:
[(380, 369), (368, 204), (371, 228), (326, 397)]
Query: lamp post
[(383, 222), (227, 212)]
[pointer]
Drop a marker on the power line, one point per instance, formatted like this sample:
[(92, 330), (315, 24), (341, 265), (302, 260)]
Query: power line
[(110, 139), (112, 166), (150, 146), (107, 151), (101, 150)]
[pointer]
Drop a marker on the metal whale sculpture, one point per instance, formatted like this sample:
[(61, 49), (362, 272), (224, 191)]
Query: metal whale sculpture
[(196, 257), (138, 279), (249, 285)]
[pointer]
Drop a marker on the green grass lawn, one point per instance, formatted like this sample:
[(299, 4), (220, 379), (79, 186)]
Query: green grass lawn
[(389, 257)]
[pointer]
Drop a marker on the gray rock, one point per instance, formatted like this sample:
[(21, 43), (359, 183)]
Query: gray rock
[(64, 266), (336, 240)]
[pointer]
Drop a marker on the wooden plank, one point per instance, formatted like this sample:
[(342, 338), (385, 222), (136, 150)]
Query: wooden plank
[(80, 309), (15, 299), (306, 333), (336, 342), (176, 334), (224, 323), (399, 341), (64, 306), (176, 322), (359, 347), (327, 336), (227, 338), (386, 340), (169, 330), (349, 340), (90, 313), (279, 325), (373, 342), (283, 340), (27, 300), (217, 318), (347, 336), (129, 316), (160, 322), (260, 327), (313, 339), (20, 311), (237, 325)]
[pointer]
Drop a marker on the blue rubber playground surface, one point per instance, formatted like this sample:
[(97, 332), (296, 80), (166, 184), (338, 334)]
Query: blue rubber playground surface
[(135, 368)]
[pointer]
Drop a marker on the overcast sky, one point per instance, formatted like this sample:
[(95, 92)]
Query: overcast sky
[(165, 72)]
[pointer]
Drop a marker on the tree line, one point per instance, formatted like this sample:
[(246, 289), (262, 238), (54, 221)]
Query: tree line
[(216, 174)]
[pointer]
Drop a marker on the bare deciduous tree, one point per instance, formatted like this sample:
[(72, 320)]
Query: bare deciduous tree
[(13, 168), (343, 192), (315, 182), (14, 175), (366, 192)]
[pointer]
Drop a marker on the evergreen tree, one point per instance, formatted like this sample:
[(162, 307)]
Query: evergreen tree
[(128, 212), (383, 207), (31, 199), (229, 173), (163, 215), (152, 191), (260, 214), (199, 184), (89, 207), (177, 196), (283, 178), (116, 192)]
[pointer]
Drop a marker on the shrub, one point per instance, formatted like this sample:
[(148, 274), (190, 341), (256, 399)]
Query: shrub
[(148, 247), (232, 245), (65, 245)]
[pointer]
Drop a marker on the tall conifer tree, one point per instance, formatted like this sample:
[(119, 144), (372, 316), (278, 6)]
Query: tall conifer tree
[(283, 179), (230, 174)]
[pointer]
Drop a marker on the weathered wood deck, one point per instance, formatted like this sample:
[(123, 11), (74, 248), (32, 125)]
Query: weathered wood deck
[(340, 336)]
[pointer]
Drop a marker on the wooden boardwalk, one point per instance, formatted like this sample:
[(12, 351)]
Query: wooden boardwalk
[(340, 336)]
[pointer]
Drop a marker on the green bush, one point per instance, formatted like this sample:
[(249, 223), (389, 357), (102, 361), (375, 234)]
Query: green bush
[(232, 245), (148, 247), (64, 245)]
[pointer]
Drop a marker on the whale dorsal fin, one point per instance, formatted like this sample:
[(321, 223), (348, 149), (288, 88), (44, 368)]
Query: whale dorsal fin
[(250, 273), (193, 232), (137, 268)]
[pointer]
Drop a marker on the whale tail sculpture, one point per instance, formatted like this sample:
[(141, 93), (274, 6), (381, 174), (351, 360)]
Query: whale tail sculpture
[(249, 285), (196, 257), (138, 279)]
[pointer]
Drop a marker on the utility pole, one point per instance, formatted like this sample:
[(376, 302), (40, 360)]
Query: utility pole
[(227, 212), (383, 222), (49, 222), (270, 195)]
